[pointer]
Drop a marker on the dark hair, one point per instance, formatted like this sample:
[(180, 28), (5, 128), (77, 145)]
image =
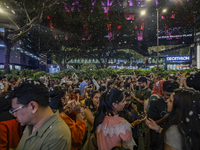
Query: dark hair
[(128, 85), (5, 104), (56, 94), (80, 80), (119, 83), (161, 75), (67, 87), (148, 76), (109, 83), (130, 107), (86, 78), (89, 103), (64, 84), (170, 86), (185, 114), (127, 94), (128, 79), (119, 148), (102, 88), (172, 76), (105, 106), (194, 81), (96, 78), (5, 93), (30, 90), (114, 75), (89, 92), (142, 79)]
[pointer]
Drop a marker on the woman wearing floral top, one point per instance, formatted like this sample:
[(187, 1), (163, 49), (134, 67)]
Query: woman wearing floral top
[(112, 130)]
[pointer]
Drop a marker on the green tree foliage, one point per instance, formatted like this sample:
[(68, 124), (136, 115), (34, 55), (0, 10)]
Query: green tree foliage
[(87, 72), (97, 34)]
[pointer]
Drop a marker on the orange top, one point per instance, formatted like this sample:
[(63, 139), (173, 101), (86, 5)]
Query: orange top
[(77, 129), (10, 134)]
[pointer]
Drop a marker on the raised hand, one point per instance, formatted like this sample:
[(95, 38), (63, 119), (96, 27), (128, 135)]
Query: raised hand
[(77, 107), (132, 95), (152, 124)]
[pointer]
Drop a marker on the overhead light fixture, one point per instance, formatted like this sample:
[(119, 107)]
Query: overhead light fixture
[(143, 12)]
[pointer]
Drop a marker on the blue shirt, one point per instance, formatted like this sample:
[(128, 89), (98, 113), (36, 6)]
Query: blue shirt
[(82, 86)]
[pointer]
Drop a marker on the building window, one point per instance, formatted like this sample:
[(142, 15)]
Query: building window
[(1, 66), (23, 60), (17, 67)]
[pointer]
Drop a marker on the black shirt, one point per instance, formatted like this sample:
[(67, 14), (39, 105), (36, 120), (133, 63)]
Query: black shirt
[(142, 95), (157, 109)]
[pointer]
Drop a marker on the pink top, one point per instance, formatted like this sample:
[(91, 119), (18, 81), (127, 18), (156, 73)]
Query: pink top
[(112, 131)]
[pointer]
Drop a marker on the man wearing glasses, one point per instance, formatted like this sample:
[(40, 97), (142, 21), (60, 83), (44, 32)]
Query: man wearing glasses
[(44, 128)]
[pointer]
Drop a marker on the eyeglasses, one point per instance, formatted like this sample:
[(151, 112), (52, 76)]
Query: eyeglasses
[(15, 110)]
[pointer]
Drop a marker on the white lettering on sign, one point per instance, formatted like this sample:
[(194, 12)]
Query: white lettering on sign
[(175, 36), (178, 58)]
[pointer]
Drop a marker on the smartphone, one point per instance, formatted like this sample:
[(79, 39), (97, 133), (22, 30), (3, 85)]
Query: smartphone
[(142, 119), (142, 115)]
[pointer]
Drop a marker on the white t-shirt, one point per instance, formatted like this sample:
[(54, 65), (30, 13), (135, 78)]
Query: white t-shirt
[(173, 137)]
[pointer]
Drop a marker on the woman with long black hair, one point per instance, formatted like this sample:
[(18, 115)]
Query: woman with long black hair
[(131, 115), (91, 104), (181, 131), (112, 130)]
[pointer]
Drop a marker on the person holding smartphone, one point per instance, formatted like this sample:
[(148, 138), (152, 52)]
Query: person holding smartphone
[(131, 115)]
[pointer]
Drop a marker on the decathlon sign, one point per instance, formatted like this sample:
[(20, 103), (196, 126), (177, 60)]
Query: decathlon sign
[(178, 58)]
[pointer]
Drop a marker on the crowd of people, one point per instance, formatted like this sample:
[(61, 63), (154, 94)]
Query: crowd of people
[(119, 113)]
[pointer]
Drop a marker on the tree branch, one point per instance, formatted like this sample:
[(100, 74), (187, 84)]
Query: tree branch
[(25, 26), (41, 16), (44, 8), (52, 4), (26, 11), (35, 18), (13, 22), (16, 38)]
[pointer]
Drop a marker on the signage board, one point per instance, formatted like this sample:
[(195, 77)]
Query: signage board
[(178, 58), (175, 36)]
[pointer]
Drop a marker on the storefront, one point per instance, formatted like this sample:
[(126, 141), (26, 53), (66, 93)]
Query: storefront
[(177, 62), (53, 68)]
